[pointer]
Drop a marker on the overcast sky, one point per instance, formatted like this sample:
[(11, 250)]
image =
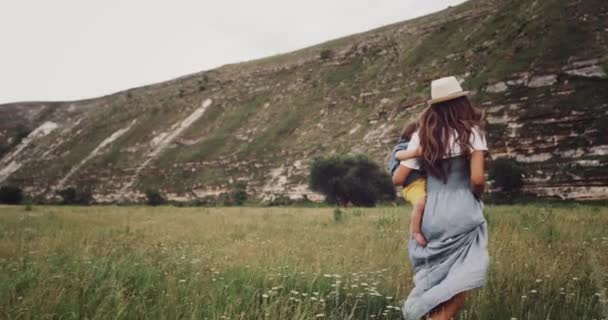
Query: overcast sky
[(74, 49)]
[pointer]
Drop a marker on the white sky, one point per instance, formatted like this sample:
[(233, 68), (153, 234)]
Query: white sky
[(75, 49)]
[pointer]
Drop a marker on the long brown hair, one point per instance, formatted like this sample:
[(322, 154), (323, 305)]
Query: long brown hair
[(439, 121)]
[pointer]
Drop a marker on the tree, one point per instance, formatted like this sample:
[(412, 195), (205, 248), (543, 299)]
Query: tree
[(239, 193), (507, 175), (154, 198), (355, 179), (11, 195), (326, 54), (73, 196)]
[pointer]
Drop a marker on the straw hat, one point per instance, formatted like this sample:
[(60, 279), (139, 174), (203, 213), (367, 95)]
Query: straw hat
[(445, 89)]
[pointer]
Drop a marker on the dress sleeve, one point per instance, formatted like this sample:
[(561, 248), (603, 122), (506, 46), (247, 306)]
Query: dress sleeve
[(414, 143), (478, 140)]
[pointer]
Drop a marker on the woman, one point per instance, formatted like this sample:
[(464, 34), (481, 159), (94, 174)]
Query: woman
[(455, 259)]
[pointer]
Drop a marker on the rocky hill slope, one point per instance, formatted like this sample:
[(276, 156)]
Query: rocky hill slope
[(537, 67)]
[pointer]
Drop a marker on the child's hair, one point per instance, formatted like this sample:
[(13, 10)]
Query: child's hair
[(409, 129)]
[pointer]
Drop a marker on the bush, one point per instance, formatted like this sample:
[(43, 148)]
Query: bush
[(4, 148), (338, 215), (239, 193), (326, 54), (355, 179), (11, 195), (205, 201), (154, 198), (507, 175), (72, 196), (279, 200)]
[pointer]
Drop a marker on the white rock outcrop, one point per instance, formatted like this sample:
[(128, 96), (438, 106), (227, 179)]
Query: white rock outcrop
[(542, 81)]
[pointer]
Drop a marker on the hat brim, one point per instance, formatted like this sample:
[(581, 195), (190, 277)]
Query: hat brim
[(448, 97)]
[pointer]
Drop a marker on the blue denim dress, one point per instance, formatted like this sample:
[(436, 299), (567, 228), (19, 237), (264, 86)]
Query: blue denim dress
[(456, 257)]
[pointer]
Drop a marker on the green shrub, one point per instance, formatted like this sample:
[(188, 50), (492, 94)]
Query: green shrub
[(205, 201), (72, 196), (326, 54), (280, 200), (225, 199), (355, 179), (507, 175), (11, 195), (4, 148), (154, 198), (338, 215), (239, 193)]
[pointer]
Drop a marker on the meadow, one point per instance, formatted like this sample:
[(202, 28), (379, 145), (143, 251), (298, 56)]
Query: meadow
[(547, 262)]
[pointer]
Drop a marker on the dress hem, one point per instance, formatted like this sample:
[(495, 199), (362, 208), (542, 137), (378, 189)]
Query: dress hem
[(426, 309)]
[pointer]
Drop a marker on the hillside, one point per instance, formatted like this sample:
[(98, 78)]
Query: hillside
[(538, 68)]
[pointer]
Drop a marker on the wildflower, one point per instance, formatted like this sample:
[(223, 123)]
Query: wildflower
[(524, 296), (265, 296), (539, 280), (182, 280), (295, 292), (575, 278), (320, 315), (533, 291)]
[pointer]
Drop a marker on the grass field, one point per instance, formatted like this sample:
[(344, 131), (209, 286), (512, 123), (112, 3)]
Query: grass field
[(547, 262)]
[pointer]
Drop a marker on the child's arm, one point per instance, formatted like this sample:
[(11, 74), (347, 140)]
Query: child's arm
[(408, 154)]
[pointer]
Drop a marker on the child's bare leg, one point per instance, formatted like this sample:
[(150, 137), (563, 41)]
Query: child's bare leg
[(415, 226)]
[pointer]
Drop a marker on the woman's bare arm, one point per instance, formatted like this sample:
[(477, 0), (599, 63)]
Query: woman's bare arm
[(478, 179), (408, 154), (400, 175)]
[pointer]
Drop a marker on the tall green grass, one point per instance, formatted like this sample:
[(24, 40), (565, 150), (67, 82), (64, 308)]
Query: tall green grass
[(547, 262)]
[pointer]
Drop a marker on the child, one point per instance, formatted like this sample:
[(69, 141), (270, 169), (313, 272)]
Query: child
[(414, 188)]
